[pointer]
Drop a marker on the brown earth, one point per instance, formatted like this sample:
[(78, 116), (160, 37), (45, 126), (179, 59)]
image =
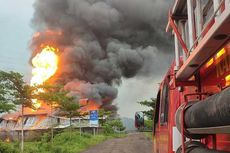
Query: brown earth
[(132, 143)]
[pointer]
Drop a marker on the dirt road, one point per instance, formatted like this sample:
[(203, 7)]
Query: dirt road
[(133, 143)]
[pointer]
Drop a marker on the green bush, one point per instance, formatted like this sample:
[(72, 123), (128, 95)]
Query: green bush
[(64, 142), (112, 126), (149, 124), (7, 148)]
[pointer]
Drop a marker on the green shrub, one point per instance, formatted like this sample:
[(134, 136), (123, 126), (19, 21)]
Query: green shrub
[(7, 148), (64, 142), (149, 124), (46, 137), (113, 125)]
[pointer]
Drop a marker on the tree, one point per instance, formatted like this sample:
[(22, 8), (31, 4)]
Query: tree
[(6, 103), (69, 107), (50, 94), (54, 94), (151, 105), (14, 91), (103, 114)]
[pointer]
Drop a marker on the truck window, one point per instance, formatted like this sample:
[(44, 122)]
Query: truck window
[(164, 105), (156, 115)]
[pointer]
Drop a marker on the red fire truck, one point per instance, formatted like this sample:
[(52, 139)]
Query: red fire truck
[(193, 102)]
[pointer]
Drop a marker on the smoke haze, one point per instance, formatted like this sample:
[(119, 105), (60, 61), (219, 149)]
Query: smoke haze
[(103, 41)]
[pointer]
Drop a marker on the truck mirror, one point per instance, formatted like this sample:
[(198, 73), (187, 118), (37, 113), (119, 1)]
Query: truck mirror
[(139, 119)]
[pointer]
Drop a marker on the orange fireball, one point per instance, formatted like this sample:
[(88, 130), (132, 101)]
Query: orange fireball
[(45, 65)]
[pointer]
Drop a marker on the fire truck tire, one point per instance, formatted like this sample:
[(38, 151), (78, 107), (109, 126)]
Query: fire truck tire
[(197, 147)]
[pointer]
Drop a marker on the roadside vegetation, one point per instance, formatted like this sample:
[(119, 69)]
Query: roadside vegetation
[(62, 143), (66, 142)]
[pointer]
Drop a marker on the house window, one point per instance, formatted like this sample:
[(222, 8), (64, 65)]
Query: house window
[(30, 121)]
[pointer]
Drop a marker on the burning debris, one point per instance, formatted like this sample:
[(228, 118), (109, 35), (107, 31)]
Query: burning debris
[(99, 42)]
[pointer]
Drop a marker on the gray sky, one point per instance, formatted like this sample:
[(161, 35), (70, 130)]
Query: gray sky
[(133, 90), (15, 33)]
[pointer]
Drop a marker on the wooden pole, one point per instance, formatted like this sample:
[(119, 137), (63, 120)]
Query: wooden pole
[(22, 130), (80, 125), (52, 130), (94, 132)]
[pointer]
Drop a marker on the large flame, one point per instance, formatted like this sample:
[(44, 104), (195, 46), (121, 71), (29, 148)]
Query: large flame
[(45, 65)]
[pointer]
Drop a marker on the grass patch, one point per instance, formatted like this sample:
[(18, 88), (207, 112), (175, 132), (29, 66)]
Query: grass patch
[(64, 142), (68, 141)]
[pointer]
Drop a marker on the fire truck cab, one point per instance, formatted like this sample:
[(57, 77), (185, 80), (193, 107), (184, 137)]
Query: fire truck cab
[(192, 112)]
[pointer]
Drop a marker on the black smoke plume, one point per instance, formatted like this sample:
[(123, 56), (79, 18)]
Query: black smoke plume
[(102, 41)]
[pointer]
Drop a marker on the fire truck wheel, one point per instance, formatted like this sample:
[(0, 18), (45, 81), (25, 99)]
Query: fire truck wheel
[(197, 147), (189, 146)]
